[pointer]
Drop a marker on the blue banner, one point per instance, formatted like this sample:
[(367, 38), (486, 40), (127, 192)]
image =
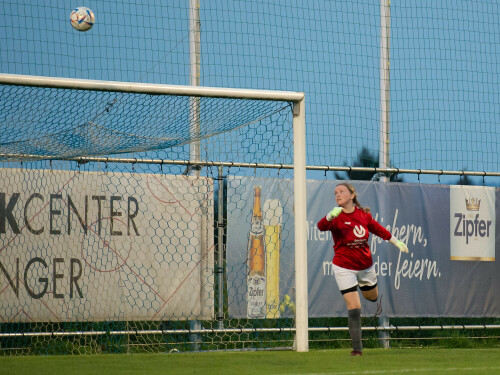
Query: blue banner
[(451, 232)]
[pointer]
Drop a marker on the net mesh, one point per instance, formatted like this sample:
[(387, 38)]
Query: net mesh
[(443, 66), (61, 123)]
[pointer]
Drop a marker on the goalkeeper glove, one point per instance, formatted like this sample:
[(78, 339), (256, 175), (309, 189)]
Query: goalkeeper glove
[(400, 245), (333, 213)]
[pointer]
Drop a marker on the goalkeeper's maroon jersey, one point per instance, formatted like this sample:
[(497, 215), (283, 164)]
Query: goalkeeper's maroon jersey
[(350, 234)]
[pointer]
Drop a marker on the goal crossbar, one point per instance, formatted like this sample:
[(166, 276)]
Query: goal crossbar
[(148, 88)]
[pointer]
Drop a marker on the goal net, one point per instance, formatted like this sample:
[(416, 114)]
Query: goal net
[(115, 238)]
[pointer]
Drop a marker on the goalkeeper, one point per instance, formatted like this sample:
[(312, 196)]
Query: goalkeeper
[(351, 224)]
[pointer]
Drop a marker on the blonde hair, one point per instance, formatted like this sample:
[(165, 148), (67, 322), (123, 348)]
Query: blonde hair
[(355, 199)]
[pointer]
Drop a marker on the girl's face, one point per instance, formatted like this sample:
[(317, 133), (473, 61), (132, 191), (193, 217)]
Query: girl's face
[(343, 196)]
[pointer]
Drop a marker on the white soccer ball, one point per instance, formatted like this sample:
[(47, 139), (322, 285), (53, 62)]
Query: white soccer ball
[(82, 19)]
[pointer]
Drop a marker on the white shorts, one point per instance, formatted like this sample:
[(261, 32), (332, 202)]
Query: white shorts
[(348, 279)]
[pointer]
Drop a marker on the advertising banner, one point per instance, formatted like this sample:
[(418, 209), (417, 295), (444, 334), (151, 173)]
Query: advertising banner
[(451, 232), (92, 246)]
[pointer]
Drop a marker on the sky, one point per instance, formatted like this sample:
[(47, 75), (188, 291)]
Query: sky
[(445, 66)]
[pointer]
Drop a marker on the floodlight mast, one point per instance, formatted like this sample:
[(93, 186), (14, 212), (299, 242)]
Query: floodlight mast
[(194, 129), (385, 106), (385, 84), (194, 77)]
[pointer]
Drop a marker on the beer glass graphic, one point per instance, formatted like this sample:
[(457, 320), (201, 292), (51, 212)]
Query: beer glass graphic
[(273, 216)]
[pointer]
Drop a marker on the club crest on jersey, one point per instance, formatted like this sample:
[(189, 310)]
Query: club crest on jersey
[(359, 231)]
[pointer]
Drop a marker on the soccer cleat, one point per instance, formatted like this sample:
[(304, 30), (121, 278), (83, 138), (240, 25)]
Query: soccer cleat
[(356, 353)]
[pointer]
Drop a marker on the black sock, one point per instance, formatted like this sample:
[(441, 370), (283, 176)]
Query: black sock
[(354, 323)]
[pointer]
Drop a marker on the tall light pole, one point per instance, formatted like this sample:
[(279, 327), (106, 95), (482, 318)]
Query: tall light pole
[(385, 101), (385, 84), (194, 130), (194, 78)]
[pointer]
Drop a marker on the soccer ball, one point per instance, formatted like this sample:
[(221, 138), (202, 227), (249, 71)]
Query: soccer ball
[(82, 19)]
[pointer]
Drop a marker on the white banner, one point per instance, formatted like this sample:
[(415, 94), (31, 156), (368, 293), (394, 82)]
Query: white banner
[(98, 246), (472, 223)]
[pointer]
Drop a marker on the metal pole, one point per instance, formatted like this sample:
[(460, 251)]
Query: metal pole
[(220, 247), (385, 87), (194, 147), (194, 77), (299, 177), (385, 31)]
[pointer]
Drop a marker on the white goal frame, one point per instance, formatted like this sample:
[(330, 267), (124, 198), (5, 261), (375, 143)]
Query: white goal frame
[(299, 156)]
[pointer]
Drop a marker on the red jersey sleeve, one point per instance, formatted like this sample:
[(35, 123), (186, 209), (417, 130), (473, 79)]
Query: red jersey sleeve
[(324, 225), (378, 230)]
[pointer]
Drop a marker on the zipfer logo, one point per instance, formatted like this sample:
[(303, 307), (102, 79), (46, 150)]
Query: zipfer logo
[(470, 225)]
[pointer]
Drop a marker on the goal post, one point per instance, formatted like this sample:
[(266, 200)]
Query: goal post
[(299, 147), (137, 128)]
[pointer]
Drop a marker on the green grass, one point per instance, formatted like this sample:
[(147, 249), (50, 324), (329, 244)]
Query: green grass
[(373, 361)]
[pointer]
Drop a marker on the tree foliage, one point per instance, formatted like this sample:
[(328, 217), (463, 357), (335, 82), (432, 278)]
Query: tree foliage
[(364, 159)]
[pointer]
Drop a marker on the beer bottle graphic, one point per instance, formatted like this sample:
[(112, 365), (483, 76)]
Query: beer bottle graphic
[(256, 258)]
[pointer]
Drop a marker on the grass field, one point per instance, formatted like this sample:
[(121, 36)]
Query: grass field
[(373, 361)]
